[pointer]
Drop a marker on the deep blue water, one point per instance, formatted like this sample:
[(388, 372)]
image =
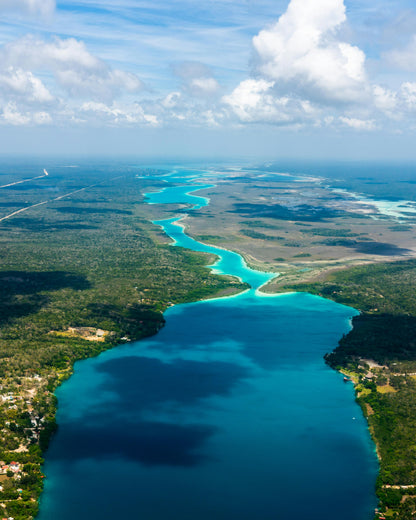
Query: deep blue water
[(228, 413)]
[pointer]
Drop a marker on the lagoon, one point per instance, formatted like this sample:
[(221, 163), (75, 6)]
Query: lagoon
[(229, 412)]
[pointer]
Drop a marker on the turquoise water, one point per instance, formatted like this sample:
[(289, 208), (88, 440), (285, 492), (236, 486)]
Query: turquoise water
[(228, 263), (179, 195), (228, 413)]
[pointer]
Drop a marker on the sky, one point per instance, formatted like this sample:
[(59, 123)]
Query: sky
[(209, 78)]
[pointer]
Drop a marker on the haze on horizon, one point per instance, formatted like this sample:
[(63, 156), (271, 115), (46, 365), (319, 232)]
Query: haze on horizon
[(298, 78)]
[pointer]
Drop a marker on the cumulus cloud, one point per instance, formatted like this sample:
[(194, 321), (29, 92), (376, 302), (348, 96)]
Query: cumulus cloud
[(301, 67), (385, 99), (254, 100), (119, 114), (42, 7), (408, 95), (197, 79), (41, 81), (11, 114), (18, 83), (404, 59), (74, 68), (302, 53), (305, 73), (204, 86), (171, 100), (177, 107), (358, 124)]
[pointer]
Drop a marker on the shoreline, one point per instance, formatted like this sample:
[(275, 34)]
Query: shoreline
[(265, 295), (103, 347), (323, 270), (377, 355), (108, 347), (262, 294), (257, 290), (245, 263)]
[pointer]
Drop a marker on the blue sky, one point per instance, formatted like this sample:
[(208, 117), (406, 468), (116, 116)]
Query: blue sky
[(304, 78)]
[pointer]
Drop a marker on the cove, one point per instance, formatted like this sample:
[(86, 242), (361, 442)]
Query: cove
[(229, 412)]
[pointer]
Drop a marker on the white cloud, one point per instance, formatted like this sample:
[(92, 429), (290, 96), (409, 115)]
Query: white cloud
[(358, 124), (212, 118), (171, 100), (302, 54), (13, 116), (408, 95), (404, 101), (179, 107), (197, 79), (42, 7), (41, 81), (204, 86), (119, 114), (42, 118), (18, 83), (305, 73), (250, 99), (255, 101), (74, 68), (384, 99)]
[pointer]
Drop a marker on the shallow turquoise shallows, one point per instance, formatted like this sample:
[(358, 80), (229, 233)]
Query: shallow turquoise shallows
[(179, 195), (228, 262), (228, 413)]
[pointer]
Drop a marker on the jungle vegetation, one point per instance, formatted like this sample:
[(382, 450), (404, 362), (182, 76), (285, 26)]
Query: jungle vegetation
[(78, 275)]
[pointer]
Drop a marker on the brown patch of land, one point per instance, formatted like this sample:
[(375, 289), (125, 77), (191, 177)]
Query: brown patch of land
[(87, 333), (369, 410), (386, 389)]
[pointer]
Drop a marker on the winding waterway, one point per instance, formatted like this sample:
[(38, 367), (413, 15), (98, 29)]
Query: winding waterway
[(229, 412)]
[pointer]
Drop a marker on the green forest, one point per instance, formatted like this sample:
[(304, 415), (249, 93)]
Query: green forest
[(77, 276)]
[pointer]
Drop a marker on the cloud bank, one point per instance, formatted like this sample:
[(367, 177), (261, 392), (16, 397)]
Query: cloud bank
[(57, 76), (306, 71)]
